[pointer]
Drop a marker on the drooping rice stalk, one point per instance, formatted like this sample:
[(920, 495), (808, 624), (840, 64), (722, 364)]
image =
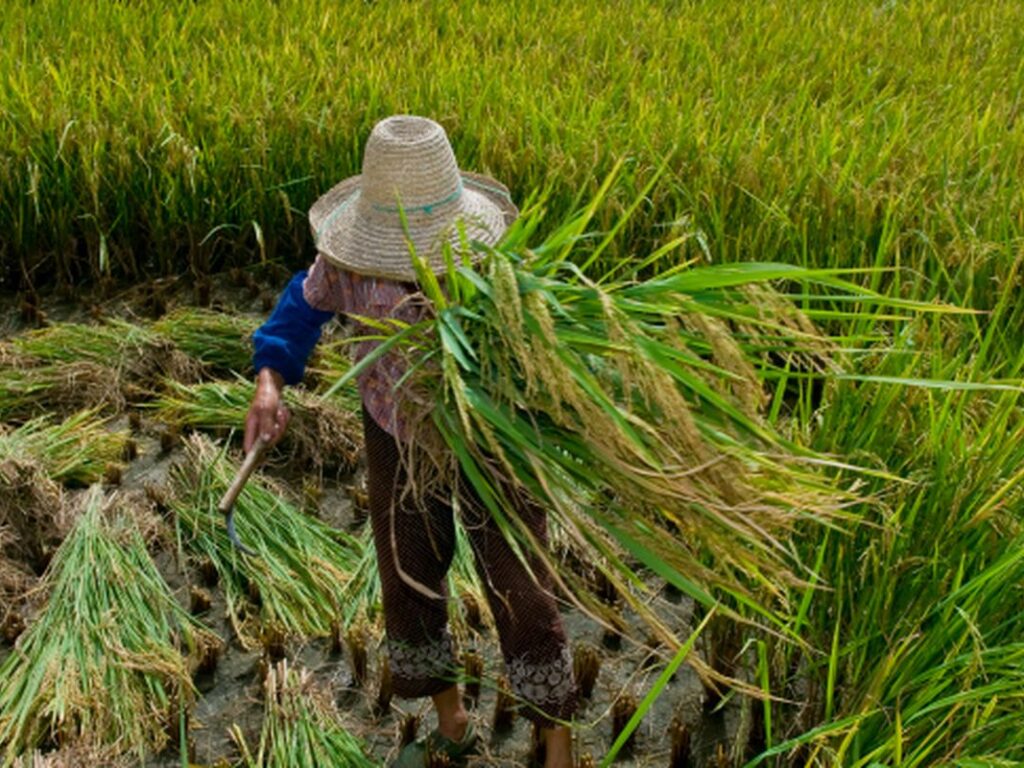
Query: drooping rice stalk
[(77, 450), (106, 661), (630, 409), (319, 434), (598, 401), (296, 582), (301, 727)]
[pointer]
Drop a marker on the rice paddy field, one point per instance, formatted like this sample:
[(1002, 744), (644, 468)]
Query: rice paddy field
[(797, 232)]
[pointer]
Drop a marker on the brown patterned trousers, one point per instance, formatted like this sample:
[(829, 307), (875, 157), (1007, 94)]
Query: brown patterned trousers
[(421, 537)]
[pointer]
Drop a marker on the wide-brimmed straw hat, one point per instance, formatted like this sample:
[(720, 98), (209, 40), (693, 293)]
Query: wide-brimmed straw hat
[(408, 167)]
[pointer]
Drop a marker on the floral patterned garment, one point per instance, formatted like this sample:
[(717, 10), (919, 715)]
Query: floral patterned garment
[(332, 289)]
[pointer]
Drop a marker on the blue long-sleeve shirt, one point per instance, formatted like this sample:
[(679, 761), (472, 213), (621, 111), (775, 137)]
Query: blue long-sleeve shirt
[(286, 340)]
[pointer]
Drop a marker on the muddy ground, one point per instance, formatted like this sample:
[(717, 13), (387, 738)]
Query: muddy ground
[(230, 697)]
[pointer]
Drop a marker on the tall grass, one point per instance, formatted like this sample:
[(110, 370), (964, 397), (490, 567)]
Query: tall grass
[(138, 141)]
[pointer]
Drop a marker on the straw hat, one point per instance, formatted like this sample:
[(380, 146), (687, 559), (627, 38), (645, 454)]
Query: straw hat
[(408, 166)]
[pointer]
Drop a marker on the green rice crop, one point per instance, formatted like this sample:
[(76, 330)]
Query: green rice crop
[(301, 727), (137, 141), (918, 636), (295, 583), (77, 450), (106, 660)]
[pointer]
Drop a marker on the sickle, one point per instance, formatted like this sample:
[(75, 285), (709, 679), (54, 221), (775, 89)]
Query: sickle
[(227, 502)]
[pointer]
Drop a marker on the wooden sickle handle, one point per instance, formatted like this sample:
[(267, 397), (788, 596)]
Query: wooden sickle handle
[(251, 460)]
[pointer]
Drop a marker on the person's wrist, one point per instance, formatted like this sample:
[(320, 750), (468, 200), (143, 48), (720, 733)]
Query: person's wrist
[(270, 377)]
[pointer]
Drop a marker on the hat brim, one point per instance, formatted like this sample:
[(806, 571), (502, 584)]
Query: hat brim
[(378, 248)]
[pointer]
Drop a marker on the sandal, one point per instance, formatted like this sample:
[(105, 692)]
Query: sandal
[(415, 755)]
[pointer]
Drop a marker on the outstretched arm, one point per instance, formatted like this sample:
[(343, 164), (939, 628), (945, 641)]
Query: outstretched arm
[(281, 347)]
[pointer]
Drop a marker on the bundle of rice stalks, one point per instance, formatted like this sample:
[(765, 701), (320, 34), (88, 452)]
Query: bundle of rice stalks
[(219, 340), (67, 342), (295, 583), (78, 450), (30, 388), (301, 727), (360, 598), (629, 409), (102, 664), (139, 356), (319, 436)]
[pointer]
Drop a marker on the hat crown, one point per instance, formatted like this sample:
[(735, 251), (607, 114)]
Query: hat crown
[(408, 162)]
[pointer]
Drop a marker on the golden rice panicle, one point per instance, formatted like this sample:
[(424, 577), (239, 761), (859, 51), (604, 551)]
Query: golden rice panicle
[(741, 378)]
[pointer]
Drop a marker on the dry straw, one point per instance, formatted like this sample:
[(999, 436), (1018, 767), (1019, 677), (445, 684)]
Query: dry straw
[(35, 459), (15, 583)]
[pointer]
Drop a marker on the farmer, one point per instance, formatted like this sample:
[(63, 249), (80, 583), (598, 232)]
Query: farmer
[(363, 268)]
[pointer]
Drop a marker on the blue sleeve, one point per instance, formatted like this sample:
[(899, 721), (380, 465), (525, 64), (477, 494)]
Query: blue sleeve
[(285, 341)]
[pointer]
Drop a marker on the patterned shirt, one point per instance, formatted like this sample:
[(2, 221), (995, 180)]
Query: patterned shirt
[(328, 288)]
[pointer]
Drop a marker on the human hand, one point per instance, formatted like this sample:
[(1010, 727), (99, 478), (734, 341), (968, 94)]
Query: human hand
[(267, 415)]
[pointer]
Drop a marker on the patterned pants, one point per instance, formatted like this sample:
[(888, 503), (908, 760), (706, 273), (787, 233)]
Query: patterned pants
[(421, 537)]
